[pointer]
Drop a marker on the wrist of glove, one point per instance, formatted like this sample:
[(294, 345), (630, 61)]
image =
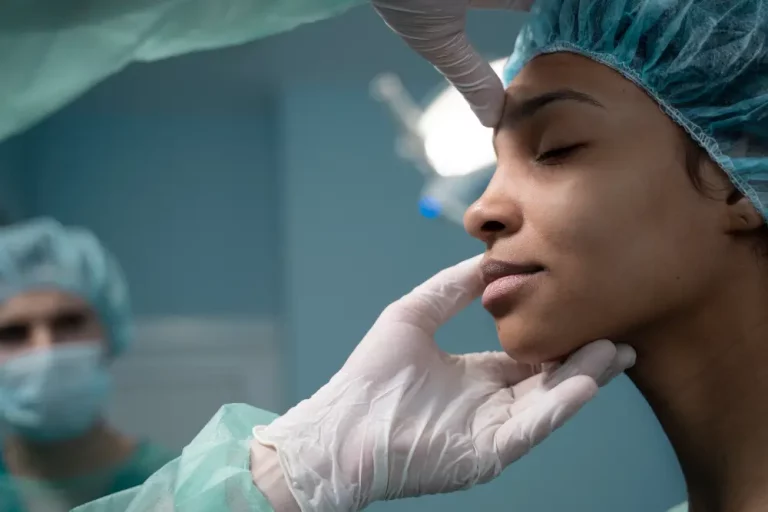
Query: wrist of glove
[(335, 446), (269, 477)]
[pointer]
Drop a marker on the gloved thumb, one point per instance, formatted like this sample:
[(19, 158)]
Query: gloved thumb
[(435, 301)]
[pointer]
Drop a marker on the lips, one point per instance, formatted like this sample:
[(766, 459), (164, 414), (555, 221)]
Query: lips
[(504, 282), (493, 270)]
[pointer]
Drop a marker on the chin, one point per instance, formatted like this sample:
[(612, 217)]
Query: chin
[(528, 343)]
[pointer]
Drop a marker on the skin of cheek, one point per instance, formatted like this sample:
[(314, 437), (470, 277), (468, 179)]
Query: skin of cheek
[(621, 244)]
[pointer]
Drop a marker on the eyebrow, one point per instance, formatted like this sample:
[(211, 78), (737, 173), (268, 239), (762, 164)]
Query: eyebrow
[(58, 313), (517, 112)]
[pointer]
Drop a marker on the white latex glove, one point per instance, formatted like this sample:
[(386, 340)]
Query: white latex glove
[(436, 30), (403, 418)]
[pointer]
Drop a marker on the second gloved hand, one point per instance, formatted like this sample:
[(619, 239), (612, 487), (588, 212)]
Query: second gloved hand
[(403, 418), (435, 29)]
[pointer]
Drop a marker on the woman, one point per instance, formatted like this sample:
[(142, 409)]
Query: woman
[(64, 316), (629, 202)]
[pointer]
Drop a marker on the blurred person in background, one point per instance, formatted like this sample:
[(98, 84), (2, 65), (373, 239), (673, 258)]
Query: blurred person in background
[(64, 317)]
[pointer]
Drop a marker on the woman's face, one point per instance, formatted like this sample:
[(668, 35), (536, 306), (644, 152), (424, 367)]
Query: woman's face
[(592, 206)]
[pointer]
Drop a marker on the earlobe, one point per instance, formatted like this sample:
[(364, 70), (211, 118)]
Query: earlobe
[(742, 215)]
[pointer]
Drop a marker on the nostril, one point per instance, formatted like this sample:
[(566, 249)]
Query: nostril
[(492, 226)]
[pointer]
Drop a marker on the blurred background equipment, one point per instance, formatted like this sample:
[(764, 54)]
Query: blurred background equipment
[(444, 141)]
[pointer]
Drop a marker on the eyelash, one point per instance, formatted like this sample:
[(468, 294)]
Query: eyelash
[(558, 153)]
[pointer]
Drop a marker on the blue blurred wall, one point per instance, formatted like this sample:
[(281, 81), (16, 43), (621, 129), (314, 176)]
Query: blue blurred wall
[(267, 185), (182, 188), (13, 168)]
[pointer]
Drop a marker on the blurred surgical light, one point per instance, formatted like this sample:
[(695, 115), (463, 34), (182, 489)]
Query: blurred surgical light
[(455, 142), (445, 141)]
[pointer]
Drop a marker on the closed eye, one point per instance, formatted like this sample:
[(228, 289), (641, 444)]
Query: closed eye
[(557, 154)]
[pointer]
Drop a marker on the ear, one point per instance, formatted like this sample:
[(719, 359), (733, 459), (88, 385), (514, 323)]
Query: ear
[(743, 217)]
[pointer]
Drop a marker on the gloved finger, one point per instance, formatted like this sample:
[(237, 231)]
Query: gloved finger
[(593, 360), (622, 361), (506, 5), (502, 368), (470, 74), (435, 301), (600, 360), (440, 39), (528, 427)]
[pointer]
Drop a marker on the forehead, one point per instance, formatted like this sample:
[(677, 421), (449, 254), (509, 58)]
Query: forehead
[(40, 304), (565, 70)]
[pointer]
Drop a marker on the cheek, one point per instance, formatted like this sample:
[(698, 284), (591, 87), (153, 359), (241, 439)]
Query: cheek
[(567, 227), (616, 261)]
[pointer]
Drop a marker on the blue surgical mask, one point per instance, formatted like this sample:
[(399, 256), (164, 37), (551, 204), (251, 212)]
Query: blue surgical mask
[(54, 394)]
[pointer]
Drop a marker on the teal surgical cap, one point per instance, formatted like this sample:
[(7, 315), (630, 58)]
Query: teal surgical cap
[(43, 254), (704, 61)]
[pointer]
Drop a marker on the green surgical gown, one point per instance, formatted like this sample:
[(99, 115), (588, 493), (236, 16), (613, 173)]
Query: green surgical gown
[(52, 51), (19, 494), (212, 474)]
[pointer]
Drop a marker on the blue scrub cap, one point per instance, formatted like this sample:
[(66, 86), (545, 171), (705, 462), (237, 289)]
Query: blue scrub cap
[(42, 253), (704, 61)]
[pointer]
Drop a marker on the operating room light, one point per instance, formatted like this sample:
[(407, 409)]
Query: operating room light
[(455, 143), (444, 141)]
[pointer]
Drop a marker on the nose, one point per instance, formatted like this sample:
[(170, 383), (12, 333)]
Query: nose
[(42, 336), (496, 214)]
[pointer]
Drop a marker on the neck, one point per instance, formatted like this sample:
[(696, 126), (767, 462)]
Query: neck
[(704, 376), (101, 447)]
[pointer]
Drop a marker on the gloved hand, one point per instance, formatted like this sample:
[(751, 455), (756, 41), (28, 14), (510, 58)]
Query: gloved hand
[(403, 418), (436, 30)]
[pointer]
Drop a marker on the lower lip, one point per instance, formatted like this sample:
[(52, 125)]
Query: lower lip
[(506, 286)]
